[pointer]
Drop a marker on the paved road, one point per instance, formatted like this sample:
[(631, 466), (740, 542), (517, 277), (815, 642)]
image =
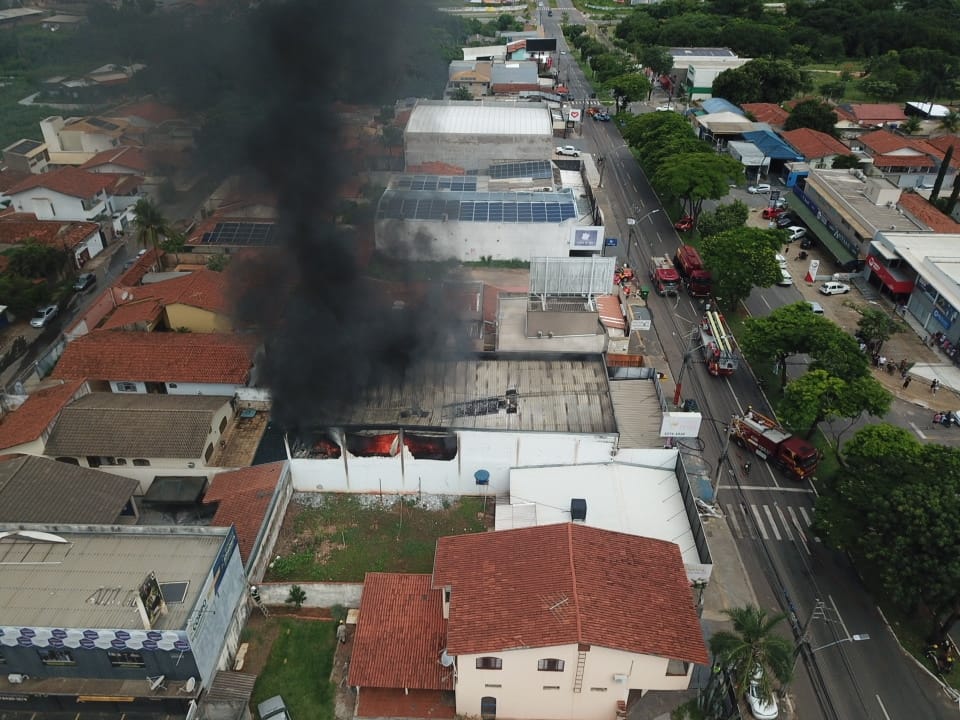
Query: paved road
[(768, 514)]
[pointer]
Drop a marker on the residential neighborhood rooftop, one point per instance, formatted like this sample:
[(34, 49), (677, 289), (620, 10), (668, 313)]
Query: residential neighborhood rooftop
[(70, 567), (567, 583), (216, 358), (242, 498), (134, 426), (814, 144), (29, 421), (69, 181), (454, 117), (15, 229)]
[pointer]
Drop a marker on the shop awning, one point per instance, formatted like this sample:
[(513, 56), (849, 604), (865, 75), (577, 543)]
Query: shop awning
[(834, 246), (610, 314), (896, 283), (883, 251)]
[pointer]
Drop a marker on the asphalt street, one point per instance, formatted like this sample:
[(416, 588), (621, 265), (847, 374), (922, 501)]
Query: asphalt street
[(846, 675)]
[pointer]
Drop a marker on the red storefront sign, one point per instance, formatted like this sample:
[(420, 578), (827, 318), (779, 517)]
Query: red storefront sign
[(896, 286)]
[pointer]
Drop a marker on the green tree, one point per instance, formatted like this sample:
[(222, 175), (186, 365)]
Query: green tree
[(812, 114), (834, 90), (879, 89), (845, 162), (760, 80), (657, 58), (694, 177), (22, 295), (35, 260), (950, 122), (606, 66), (876, 327), (461, 93), (296, 597), (897, 509), (726, 217), (218, 262), (911, 125), (817, 396), (150, 224), (794, 330), (628, 88), (741, 260), (754, 641)]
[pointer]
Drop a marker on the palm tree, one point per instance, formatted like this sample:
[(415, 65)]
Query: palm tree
[(951, 121), (754, 642), (152, 227), (911, 125)]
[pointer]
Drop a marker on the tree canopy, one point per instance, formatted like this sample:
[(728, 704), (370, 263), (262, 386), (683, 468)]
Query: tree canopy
[(817, 396), (897, 506), (628, 88), (741, 260), (754, 641), (812, 114), (726, 217), (760, 80), (694, 177)]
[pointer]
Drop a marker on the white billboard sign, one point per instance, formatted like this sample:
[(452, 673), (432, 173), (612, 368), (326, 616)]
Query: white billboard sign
[(680, 424), (586, 238)]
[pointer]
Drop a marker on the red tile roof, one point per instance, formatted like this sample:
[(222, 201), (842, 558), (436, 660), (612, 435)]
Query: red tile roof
[(158, 357), (204, 289), (129, 314), (30, 420), (877, 113), (770, 113), (814, 144), (895, 161), (126, 156), (243, 497), (400, 634), (943, 142), (567, 583), (148, 110), (67, 235), (882, 142), (147, 262), (922, 210), (396, 703), (67, 181)]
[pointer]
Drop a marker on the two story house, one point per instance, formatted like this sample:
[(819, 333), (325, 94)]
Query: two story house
[(74, 194), (553, 622)]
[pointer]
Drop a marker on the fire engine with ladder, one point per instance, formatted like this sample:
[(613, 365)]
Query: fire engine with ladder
[(718, 345), (769, 440)]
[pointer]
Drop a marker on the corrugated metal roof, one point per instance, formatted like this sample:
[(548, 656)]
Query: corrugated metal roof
[(638, 412), (479, 118)]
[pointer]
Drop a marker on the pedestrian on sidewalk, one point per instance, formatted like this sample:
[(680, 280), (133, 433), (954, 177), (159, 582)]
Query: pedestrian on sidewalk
[(906, 382), (934, 384)]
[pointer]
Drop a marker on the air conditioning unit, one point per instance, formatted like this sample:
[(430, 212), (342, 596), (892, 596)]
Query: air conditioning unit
[(620, 678)]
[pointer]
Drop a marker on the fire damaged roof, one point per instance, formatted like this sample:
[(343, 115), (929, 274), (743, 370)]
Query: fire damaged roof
[(568, 393)]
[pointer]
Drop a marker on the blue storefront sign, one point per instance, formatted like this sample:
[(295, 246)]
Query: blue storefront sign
[(942, 319)]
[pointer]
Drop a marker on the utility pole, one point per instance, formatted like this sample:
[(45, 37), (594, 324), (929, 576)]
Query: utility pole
[(728, 433)]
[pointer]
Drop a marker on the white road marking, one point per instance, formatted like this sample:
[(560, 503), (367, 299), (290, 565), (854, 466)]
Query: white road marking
[(733, 395), (756, 515), (882, 708), (773, 525), (783, 519), (918, 431), (846, 633), (765, 487), (734, 520), (764, 301)]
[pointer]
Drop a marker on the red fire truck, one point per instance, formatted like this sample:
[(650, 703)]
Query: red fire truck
[(718, 345), (768, 440), (665, 278)]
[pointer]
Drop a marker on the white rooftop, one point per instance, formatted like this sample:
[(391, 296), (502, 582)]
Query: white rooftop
[(632, 499), (936, 256), (453, 117)]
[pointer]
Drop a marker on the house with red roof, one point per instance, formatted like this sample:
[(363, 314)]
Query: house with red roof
[(171, 363), (553, 622), (817, 148), (25, 430), (73, 194), (874, 115), (253, 500), (83, 240), (769, 113), (196, 302), (123, 160), (901, 159)]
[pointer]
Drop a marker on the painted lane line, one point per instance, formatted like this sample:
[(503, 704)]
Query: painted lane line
[(773, 525), (756, 516), (882, 708), (804, 491), (734, 520), (783, 521), (918, 431), (846, 633)]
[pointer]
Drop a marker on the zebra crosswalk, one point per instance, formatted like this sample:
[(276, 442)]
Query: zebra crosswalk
[(766, 522)]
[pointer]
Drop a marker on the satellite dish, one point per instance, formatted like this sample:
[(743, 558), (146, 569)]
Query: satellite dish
[(445, 659), (191, 684)]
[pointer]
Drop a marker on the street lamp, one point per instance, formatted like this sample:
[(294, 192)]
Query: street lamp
[(631, 222), (852, 638)]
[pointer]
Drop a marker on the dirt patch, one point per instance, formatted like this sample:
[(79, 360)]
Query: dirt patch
[(259, 634)]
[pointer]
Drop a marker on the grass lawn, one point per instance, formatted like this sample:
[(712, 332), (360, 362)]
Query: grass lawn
[(347, 536), (298, 667)]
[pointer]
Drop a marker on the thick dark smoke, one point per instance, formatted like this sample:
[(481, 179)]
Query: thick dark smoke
[(326, 336)]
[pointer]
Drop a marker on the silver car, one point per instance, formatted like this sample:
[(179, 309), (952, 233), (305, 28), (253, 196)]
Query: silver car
[(43, 316)]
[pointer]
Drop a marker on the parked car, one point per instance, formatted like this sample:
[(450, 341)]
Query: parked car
[(785, 220), (781, 260), (780, 203), (84, 280), (664, 108), (684, 224), (602, 116), (760, 189), (795, 232), (785, 277), (771, 213), (760, 708), (815, 307), (43, 316), (273, 709), (568, 150), (834, 288), (808, 242)]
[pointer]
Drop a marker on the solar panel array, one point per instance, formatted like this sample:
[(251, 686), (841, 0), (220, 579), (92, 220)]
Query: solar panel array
[(456, 183), (239, 233), (479, 207), (538, 169)]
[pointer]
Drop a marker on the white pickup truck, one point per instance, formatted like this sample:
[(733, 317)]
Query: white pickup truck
[(568, 150)]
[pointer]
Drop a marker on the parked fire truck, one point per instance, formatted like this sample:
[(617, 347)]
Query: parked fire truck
[(665, 278), (691, 269), (792, 455), (718, 345)]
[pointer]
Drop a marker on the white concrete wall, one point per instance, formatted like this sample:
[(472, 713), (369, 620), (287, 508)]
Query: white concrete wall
[(493, 451), (475, 151), (115, 387), (93, 245), (322, 595), (50, 205), (522, 691), (469, 241), (201, 389)]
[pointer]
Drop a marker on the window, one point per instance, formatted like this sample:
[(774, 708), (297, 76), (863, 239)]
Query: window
[(208, 453), (126, 387), (488, 707), (223, 424), (598, 689), (120, 461), (551, 687), (550, 665), (173, 386), (677, 667), (68, 460), (489, 663), (140, 462), (125, 658), (57, 657), (492, 685)]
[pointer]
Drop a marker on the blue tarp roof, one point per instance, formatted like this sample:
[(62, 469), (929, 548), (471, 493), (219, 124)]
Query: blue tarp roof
[(715, 105), (772, 145)]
